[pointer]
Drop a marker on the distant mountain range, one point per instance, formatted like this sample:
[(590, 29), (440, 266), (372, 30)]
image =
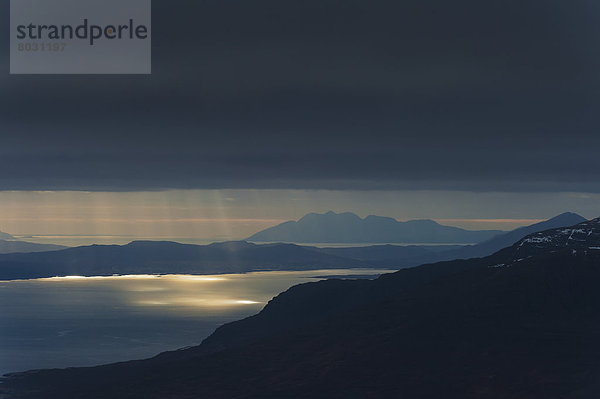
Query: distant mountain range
[(405, 256), (6, 236), (347, 227), (155, 257), (520, 323), (10, 244), (507, 239), (158, 257), (13, 246), (579, 239)]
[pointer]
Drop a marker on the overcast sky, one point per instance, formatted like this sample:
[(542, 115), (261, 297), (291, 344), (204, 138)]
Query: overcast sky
[(469, 95), (455, 102)]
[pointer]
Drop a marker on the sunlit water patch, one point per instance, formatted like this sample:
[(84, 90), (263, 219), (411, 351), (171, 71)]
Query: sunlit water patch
[(80, 321)]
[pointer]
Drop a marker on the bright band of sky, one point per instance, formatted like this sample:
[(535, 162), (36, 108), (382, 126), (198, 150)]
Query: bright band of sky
[(237, 214)]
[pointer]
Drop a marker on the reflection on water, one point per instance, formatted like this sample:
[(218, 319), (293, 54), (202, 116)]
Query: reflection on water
[(78, 321)]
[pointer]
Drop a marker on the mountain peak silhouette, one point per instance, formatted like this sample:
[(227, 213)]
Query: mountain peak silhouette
[(347, 227)]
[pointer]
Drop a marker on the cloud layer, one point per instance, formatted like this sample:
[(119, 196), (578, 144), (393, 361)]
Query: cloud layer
[(495, 95)]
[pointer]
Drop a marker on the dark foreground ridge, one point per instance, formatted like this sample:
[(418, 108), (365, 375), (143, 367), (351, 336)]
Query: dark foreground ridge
[(521, 323)]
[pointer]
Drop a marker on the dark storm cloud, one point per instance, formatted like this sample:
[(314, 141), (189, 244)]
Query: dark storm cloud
[(324, 94)]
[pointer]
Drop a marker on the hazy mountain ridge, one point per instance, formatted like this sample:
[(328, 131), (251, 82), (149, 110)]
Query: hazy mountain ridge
[(156, 257), (6, 236), (347, 227), (10, 244), (406, 256), (13, 246), (457, 329), (507, 239)]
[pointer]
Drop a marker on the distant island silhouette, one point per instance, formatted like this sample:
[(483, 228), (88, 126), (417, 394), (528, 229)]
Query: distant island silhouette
[(347, 227)]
